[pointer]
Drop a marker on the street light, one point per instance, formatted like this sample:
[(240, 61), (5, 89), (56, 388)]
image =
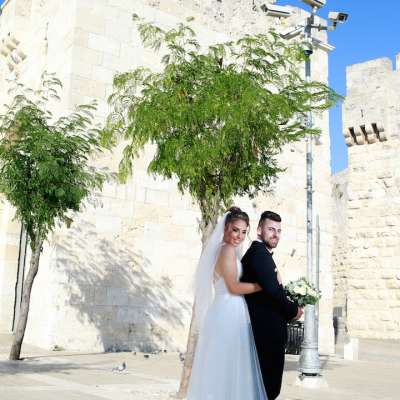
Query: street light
[(309, 357)]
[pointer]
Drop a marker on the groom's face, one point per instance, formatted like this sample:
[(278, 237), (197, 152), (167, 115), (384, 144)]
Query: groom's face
[(270, 233)]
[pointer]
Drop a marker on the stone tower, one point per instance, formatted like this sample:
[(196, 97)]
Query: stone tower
[(369, 278), (120, 277)]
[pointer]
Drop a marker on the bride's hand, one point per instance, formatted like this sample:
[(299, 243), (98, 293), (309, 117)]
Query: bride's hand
[(257, 288)]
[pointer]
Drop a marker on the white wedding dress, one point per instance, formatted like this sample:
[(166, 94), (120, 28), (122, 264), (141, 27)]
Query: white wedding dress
[(226, 364)]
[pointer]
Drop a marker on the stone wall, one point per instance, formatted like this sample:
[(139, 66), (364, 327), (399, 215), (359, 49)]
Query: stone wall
[(13, 29), (339, 253), (371, 121), (9, 249), (120, 277)]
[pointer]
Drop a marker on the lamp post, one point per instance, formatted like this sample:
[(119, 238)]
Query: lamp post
[(309, 357)]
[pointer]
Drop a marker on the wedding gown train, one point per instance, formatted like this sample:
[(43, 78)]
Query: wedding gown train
[(226, 365)]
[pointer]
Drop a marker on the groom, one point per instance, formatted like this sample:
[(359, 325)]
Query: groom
[(269, 309)]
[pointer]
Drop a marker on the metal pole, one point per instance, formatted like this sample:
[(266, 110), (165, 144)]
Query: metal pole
[(19, 283), (309, 358), (317, 269)]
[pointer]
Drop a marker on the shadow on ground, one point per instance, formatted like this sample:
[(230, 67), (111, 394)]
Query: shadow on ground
[(32, 366)]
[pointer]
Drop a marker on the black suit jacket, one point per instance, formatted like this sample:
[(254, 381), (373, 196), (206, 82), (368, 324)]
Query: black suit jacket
[(269, 309)]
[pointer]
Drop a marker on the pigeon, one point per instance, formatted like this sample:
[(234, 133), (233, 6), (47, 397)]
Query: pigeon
[(120, 368)]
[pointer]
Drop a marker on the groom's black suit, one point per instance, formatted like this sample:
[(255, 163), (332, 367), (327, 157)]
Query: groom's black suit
[(269, 311)]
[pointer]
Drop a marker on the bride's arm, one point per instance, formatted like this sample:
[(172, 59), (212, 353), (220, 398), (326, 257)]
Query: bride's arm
[(226, 266)]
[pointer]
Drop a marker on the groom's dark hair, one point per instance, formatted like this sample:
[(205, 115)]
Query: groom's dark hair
[(269, 215)]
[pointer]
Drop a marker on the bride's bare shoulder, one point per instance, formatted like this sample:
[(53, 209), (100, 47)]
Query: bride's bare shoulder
[(227, 250)]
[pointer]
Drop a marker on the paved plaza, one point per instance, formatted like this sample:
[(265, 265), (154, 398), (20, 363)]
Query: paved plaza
[(59, 375)]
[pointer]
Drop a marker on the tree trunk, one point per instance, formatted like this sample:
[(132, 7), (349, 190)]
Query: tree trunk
[(15, 351), (206, 226), (188, 361)]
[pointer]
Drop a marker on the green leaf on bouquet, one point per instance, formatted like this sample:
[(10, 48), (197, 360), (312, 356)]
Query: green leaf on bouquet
[(302, 292)]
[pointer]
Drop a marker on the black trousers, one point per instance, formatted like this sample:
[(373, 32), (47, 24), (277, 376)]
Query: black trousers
[(270, 344), (272, 362)]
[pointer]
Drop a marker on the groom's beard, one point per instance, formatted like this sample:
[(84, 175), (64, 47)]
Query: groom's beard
[(271, 243)]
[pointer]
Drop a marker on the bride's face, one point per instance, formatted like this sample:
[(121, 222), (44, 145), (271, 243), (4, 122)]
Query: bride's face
[(235, 232)]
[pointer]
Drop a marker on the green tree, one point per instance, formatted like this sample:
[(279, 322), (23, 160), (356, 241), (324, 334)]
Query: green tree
[(218, 117), (45, 171)]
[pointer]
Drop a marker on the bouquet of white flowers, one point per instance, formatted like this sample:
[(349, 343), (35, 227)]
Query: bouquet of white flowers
[(302, 292)]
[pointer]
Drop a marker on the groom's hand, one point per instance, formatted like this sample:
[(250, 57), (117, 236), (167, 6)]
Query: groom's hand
[(299, 313)]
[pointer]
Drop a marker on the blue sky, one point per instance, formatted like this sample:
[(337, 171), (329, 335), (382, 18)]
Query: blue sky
[(371, 31)]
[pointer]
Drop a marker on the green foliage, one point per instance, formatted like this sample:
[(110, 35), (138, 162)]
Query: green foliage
[(44, 164), (218, 117)]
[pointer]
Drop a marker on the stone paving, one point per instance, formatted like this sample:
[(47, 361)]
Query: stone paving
[(45, 375)]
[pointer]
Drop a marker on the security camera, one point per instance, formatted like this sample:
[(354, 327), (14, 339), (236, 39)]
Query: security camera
[(276, 11), (338, 17), (291, 32), (315, 3), (307, 47)]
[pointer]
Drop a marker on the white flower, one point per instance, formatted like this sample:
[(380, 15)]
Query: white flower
[(299, 290), (303, 291)]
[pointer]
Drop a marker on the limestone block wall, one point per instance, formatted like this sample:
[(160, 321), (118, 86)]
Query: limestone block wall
[(372, 128), (339, 253), (14, 31), (26, 52), (9, 248), (121, 276)]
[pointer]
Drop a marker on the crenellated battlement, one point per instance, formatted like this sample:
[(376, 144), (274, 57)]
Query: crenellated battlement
[(11, 50), (364, 134), (370, 111)]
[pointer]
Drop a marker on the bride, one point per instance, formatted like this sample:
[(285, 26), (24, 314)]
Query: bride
[(225, 365)]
